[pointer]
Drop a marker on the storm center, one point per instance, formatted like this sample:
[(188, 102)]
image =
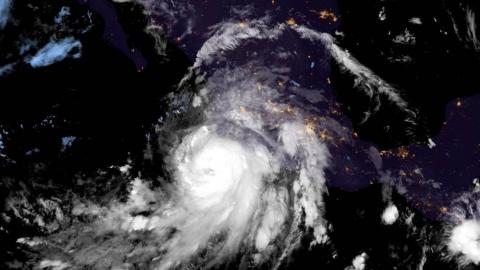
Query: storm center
[(212, 169)]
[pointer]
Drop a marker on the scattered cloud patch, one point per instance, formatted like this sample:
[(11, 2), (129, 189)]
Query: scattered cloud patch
[(68, 141), (125, 169), (431, 143), (366, 80), (358, 262), (55, 51), (405, 38), (1, 143), (4, 12), (415, 20), (6, 69), (64, 12)]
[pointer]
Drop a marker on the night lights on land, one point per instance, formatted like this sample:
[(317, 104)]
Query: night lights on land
[(323, 134), (242, 24), (326, 15), (403, 152), (291, 22)]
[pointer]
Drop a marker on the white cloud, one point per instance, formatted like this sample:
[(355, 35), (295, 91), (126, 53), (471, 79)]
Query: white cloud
[(466, 28), (365, 79), (431, 144), (405, 38), (463, 229), (30, 241), (370, 83), (415, 20), (55, 51), (309, 186), (197, 101), (4, 12), (358, 262), (64, 12), (53, 265), (382, 15), (125, 169), (140, 195), (465, 241), (229, 35), (225, 178), (225, 169), (178, 16), (472, 28), (390, 215), (273, 218), (246, 171)]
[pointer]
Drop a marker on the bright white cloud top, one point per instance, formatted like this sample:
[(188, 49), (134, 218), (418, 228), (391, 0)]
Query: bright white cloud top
[(390, 215), (462, 238), (465, 241)]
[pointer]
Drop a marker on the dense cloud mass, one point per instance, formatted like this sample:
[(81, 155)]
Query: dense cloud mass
[(463, 232), (248, 174)]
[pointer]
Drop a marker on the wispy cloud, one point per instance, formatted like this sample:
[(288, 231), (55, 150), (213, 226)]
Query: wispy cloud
[(472, 28), (4, 12), (6, 69), (369, 82), (365, 79), (229, 35)]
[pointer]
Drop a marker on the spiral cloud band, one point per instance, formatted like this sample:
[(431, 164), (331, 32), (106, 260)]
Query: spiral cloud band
[(243, 168), (251, 171)]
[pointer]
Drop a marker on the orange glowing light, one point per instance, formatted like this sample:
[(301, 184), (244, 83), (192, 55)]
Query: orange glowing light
[(326, 15), (242, 24), (291, 22)]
